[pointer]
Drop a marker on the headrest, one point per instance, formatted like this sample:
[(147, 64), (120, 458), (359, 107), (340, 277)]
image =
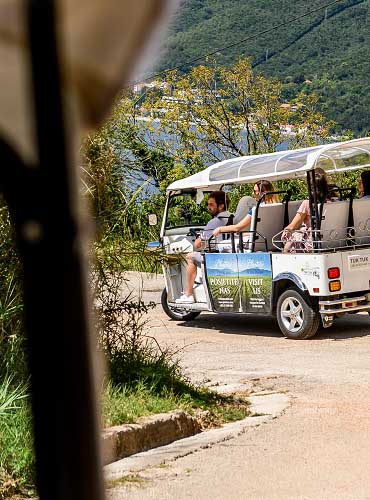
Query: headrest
[(244, 205)]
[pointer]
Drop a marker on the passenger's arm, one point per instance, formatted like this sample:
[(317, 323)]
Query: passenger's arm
[(296, 222), (197, 243), (240, 226)]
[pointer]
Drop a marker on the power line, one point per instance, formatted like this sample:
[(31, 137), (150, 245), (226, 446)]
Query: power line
[(251, 37)]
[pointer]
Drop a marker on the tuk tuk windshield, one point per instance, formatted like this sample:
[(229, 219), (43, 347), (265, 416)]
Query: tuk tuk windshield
[(183, 211)]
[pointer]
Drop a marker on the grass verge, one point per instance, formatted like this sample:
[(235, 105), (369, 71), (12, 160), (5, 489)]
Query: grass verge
[(120, 405), (124, 405)]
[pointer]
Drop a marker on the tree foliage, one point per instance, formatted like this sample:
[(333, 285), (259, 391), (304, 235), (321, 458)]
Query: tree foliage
[(214, 113), (325, 51), (119, 167), (211, 114)]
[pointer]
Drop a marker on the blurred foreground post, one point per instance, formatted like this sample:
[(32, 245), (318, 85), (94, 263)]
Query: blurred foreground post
[(57, 318), (39, 179)]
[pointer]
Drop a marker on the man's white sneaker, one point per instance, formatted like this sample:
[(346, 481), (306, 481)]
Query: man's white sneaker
[(185, 299)]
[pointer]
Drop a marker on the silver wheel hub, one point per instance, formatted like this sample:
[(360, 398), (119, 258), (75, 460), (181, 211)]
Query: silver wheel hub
[(292, 314)]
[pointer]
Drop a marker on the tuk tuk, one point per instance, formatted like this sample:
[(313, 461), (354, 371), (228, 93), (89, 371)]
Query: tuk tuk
[(249, 273)]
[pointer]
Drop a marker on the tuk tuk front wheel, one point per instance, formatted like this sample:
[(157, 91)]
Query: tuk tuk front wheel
[(177, 314), (296, 318)]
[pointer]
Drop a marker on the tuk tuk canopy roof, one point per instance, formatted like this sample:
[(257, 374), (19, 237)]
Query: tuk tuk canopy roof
[(337, 157)]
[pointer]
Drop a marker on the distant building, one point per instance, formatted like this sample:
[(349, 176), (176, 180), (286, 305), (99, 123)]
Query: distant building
[(286, 129), (155, 84), (138, 87)]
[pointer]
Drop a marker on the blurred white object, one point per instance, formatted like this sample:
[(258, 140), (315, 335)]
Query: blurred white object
[(15, 103), (104, 43), (101, 43)]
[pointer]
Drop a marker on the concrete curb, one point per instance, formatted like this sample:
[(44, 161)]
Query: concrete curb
[(268, 406), (158, 430)]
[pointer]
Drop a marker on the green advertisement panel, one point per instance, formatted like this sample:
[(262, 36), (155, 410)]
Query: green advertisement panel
[(255, 277), (223, 281), (240, 282)]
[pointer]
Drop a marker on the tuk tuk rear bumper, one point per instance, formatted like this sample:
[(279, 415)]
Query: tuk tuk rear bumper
[(331, 308)]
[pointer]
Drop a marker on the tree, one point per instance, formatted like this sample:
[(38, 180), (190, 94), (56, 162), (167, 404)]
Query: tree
[(119, 165), (211, 114), (214, 113)]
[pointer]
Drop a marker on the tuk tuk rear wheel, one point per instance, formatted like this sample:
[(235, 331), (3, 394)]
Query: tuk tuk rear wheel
[(177, 314), (297, 319)]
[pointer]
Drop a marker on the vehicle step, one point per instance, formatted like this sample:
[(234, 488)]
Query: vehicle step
[(196, 306)]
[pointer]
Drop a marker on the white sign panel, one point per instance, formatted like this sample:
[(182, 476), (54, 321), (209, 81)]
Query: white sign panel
[(358, 262)]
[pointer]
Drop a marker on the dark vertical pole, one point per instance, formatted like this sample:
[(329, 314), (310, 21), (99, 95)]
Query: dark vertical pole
[(56, 309), (314, 208), (254, 229)]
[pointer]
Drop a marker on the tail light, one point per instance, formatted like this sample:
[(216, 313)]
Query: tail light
[(333, 273), (334, 286)]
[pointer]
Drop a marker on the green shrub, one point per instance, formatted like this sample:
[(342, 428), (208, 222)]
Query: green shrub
[(12, 339), (132, 355), (16, 445), (16, 448)]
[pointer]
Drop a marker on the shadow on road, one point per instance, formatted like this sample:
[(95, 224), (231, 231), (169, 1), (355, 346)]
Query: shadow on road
[(236, 324), (347, 327), (233, 324)]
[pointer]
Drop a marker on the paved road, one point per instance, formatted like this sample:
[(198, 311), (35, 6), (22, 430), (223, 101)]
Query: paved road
[(318, 449)]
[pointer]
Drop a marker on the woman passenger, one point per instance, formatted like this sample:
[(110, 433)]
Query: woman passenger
[(259, 189), (364, 184), (302, 239)]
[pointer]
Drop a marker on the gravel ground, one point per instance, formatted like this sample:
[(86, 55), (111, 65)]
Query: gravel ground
[(318, 449)]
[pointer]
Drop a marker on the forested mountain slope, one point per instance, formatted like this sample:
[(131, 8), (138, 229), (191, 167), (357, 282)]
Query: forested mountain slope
[(326, 51)]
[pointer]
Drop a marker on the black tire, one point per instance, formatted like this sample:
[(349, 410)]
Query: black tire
[(177, 314), (297, 319)]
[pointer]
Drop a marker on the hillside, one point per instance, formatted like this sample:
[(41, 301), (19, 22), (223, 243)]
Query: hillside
[(326, 51)]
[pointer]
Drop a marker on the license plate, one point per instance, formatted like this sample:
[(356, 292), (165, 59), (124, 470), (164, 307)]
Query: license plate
[(359, 262)]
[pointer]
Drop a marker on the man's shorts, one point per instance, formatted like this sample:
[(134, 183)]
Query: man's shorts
[(197, 259)]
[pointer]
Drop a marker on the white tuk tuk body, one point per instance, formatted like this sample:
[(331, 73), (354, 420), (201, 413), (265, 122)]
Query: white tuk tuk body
[(249, 273)]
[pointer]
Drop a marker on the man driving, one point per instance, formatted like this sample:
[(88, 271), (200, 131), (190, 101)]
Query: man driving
[(218, 201)]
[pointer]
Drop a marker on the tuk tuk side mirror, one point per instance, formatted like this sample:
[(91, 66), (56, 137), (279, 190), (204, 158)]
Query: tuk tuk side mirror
[(152, 219)]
